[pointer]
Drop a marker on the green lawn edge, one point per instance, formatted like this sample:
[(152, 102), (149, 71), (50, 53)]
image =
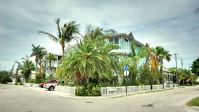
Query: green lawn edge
[(193, 102)]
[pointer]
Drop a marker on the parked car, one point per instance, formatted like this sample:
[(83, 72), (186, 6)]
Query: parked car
[(48, 82), (50, 86)]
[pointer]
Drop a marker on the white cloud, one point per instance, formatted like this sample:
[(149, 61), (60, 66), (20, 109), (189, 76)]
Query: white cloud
[(171, 24)]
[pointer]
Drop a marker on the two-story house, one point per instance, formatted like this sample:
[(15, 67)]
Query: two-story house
[(54, 64), (124, 40)]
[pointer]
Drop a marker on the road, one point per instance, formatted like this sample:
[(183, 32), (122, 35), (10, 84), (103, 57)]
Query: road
[(23, 99)]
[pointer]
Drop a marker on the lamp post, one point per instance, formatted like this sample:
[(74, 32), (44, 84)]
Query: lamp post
[(182, 71)]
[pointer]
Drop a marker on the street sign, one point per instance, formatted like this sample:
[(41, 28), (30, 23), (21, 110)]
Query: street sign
[(126, 67), (126, 72)]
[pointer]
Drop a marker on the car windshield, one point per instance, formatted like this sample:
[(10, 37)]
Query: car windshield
[(50, 81)]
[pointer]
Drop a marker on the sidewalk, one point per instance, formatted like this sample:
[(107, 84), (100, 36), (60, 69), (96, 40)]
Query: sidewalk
[(62, 94), (67, 95)]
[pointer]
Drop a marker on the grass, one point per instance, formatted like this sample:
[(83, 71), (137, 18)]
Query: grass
[(193, 102)]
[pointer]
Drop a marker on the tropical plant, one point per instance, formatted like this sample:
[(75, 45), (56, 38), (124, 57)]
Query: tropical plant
[(144, 52), (50, 57), (26, 67), (161, 54), (39, 53), (195, 66), (65, 33), (91, 59), (4, 77)]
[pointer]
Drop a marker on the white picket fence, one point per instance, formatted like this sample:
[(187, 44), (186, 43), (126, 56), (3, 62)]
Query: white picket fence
[(134, 89), (112, 90)]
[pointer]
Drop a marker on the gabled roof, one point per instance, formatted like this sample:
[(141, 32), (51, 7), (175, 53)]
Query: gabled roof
[(112, 33)]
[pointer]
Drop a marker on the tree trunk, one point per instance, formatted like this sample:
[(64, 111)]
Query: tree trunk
[(63, 46), (161, 67), (50, 65)]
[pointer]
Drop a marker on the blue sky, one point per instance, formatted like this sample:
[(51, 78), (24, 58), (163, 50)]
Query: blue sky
[(171, 24)]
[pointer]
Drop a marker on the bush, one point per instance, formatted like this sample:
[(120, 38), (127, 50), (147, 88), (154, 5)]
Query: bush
[(39, 79), (21, 83), (31, 80), (80, 91), (4, 77), (195, 83), (90, 90)]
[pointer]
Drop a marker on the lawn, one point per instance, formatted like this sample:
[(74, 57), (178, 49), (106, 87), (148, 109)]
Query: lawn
[(193, 102)]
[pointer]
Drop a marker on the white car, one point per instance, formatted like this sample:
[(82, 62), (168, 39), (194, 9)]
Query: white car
[(50, 86)]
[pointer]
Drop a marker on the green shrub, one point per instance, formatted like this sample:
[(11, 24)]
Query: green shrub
[(4, 77), (21, 83), (31, 80), (90, 90), (39, 79), (80, 91), (195, 83)]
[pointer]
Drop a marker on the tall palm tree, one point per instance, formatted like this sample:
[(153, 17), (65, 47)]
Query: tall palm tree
[(39, 53), (50, 57), (161, 54), (65, 33)]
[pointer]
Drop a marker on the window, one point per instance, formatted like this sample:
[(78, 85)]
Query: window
[(111, 40), (126, 42), (116, 40)]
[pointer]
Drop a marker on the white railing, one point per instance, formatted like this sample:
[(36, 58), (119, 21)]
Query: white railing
[(112, 90), (134, 89)]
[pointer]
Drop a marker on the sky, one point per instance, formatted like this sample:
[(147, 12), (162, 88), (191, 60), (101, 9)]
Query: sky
[(172, 24)]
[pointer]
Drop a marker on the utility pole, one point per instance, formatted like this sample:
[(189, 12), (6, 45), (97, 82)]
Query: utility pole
[(176, 68), (182, 71)]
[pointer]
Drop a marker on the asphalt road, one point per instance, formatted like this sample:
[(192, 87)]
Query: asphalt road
[(23, 99)]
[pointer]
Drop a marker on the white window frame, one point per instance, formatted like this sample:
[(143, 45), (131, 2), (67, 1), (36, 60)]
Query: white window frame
[(126, 44)]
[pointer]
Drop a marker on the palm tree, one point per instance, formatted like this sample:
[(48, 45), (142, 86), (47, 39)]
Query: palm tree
[(27, 66), (88, 61), (65, 33), (39, 53), (94, 33), (91, 58), (50, 57), (161, 54)]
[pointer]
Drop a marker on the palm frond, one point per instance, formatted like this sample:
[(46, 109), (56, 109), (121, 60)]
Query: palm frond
[(52, 37)]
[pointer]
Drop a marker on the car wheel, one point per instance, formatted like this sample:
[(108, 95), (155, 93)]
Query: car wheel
[(51, 88)]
